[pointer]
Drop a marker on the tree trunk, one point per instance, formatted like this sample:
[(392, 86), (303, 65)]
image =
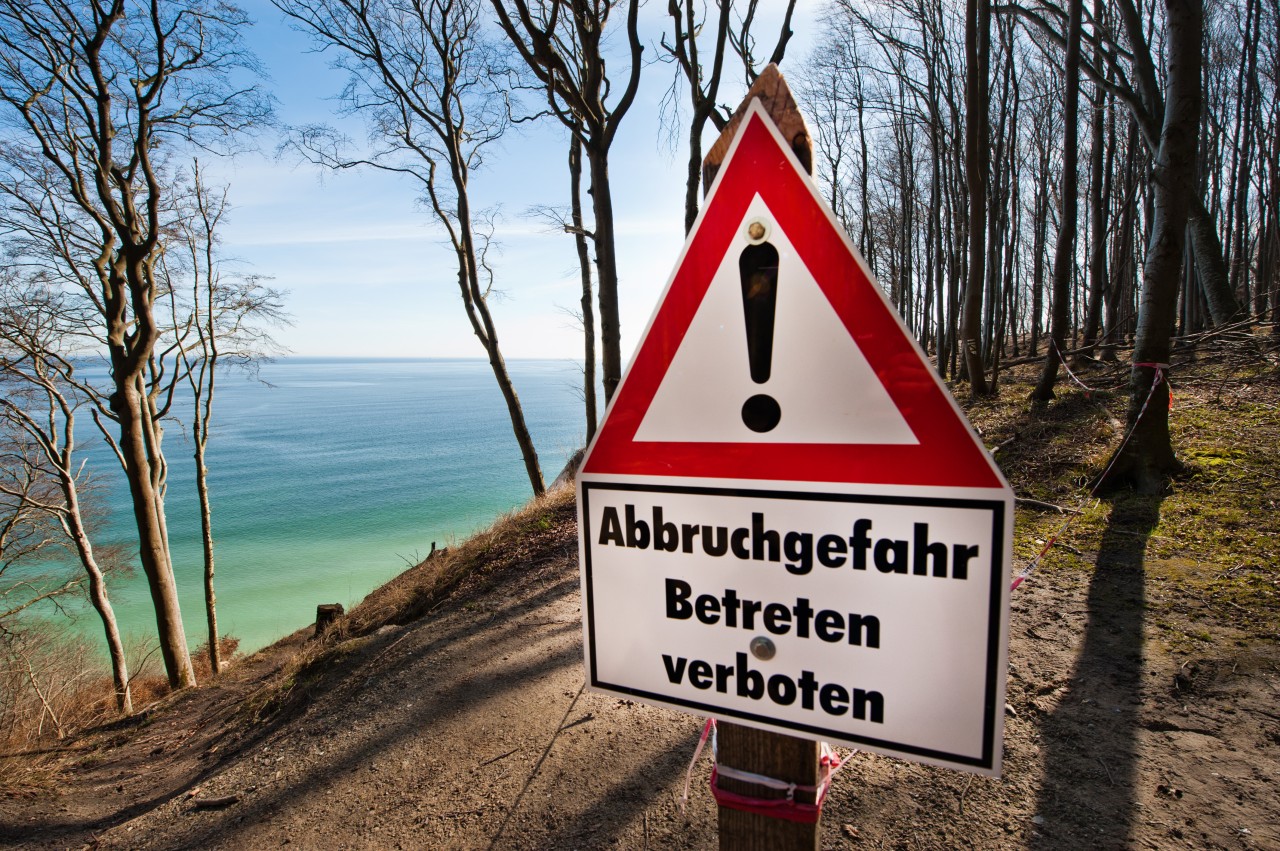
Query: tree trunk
[(606, 270), (693, 176), (1246, 95), (1147, 458), (97, 587), (1099, 205), (518, 425), (1268, 285), (153, 544), (1064, 255), (1039, 242), (1211, 268), (1206, 247), (1122, 263), (1269, 247), (957, 237), (584, 266), (482, 321), (934, 259), (977, 38), (864, 234), (206, 538), (1009, 316), (998, 212), (474, 300)]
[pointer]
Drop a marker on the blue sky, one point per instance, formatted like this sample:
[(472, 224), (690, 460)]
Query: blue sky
[(368, 275)]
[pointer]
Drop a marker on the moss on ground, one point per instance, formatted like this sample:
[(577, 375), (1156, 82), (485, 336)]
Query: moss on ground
[(1212, 560)]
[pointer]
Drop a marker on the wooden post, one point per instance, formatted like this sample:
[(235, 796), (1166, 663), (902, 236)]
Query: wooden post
[(770, 754)]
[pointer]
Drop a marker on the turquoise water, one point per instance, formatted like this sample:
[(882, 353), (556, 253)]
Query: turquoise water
[(329, 476)]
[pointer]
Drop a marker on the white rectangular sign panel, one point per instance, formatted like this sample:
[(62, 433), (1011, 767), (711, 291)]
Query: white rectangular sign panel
[(884, 614)]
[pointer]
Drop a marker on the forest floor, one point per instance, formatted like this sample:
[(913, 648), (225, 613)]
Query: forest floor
[(448, 709)]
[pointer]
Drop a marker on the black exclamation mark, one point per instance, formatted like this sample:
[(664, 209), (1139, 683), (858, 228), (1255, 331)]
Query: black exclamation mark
[(758, 267)]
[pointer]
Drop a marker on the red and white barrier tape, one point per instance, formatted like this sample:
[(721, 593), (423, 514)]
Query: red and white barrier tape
[(788, 808), (1062, 359)]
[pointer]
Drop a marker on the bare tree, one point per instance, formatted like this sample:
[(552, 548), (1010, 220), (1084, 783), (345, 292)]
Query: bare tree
[(1129, 73), (100, 94), (42, 688), (562, 43), (885, 73), (43, 473), (433, 87), (571, 221), (977, 51), (1064, 255), (884, 79), (229, 317), (28, 533), (1169, 121), (1101, 169), (742, 40), (688, 26), (586, 304), (831, 86), (704, 83), (1147, 458)]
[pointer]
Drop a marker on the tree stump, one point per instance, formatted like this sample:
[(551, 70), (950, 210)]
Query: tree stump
[(326, 615)]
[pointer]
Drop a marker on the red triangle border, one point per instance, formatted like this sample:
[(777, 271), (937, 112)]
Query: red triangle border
[(948, 453)]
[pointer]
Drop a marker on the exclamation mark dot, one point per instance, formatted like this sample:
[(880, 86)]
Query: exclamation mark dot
[(758, 267)]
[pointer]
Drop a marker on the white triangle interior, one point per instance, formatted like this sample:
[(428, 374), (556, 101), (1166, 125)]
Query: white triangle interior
[(826, 389)]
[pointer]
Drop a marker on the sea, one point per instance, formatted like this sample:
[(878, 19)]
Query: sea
[(328, 477)]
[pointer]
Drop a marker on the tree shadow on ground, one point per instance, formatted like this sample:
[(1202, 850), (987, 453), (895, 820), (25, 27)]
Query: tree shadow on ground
[(617, 798), (1088, 793), (377, 737)]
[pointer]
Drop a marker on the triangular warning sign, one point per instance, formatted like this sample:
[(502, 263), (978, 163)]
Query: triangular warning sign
[(848, 395)]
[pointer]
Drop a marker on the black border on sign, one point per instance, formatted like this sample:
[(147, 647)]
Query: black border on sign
[(996, 507)]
